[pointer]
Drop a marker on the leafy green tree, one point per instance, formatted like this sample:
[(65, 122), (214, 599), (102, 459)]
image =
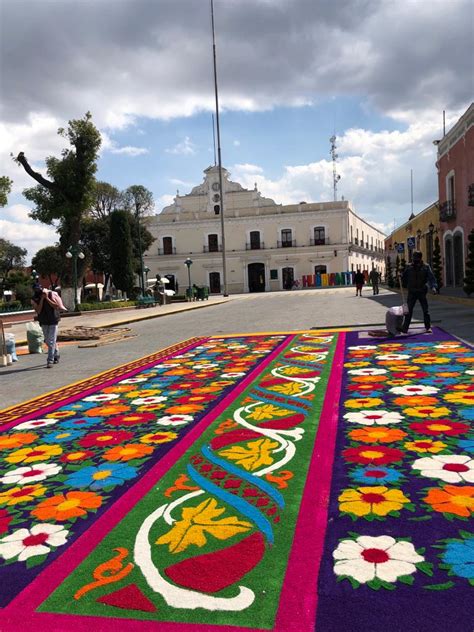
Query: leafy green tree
[(121, 259), (20, 284), (389, 272), (138, 200), (49, 262), (403, 265), (11, 257), (96, 237), (105, 199), (469, 278), (437, 266), (68, 193), (5, 189)]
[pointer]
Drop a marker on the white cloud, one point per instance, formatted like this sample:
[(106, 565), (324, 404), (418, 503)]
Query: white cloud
[(236, 143), (185, 148), (130, 151), (17, 227)]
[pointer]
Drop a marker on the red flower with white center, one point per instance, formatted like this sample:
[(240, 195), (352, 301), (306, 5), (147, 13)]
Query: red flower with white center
[(154, 399), (414, 389), (5, 520), (101, 397), (373, 455), (131, 419), (26, 543), (450, 468), (437, 427), (36, 423), (30, 474), (105, 438)]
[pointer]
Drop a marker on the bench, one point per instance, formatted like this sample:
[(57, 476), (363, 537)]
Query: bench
[(146, 301)]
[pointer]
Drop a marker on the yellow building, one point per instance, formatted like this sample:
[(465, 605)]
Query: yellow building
[(418, 233)]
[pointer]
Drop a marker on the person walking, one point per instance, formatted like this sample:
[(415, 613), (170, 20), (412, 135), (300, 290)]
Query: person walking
[(359, 280), (374, 279), (48, 317), (417, 277)]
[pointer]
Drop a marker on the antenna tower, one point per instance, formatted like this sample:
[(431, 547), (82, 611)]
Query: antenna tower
[(335, 176)]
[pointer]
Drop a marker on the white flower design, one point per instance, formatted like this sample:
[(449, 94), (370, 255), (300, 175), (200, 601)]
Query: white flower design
[(233, 375), (156, 399), (368, 371), (393, 356), (447, 347), (30, 474), (469, 372), (174, 420), (362, 348), (201, 366), (136, 380), (36, 423), (414, 389), (451, 468), (382, 557), (102, 397), (26, 543), (374, 417)]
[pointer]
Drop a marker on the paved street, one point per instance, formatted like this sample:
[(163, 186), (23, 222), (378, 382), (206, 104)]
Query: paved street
[(277, 311)]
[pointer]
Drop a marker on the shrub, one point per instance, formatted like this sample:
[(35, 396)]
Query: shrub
[(87, 307)]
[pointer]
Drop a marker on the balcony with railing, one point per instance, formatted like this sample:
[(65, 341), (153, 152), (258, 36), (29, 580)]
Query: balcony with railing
[(254, 245), (447, 211), (288, 243), (470, 195), (212, 248), (324, 241), (167, 251)]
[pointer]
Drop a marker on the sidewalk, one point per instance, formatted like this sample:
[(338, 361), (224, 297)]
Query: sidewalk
[(117, 317), (447, 295)]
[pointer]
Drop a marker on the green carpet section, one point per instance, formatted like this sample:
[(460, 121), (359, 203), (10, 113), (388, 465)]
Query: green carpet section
[(210, 542)]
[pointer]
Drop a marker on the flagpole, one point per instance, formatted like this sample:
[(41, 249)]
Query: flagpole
[(224, 271)]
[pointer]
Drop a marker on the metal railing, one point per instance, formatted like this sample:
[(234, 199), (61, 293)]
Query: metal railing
[(255, 246), (319, 242), (212, 248), (290, 243), (447, 211)]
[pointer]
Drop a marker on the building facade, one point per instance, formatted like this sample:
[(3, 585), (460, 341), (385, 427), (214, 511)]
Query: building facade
[(418, 233), (268, 246), (455, 165)]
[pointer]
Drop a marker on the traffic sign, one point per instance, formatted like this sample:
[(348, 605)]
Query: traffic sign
[(400, 248), (411, 242)]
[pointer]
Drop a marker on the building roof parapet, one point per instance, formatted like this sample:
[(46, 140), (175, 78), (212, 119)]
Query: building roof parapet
[(456, 132)]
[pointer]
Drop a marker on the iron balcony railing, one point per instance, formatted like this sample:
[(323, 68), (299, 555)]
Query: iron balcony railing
[(447, 211), (212, 248), (288, 243), (255, 246), (167, 251), (470, 195), (324, 241)]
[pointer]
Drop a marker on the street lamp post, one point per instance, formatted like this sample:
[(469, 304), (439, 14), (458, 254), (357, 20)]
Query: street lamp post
[(430, 254), (142, 282), (146, 270), (188, 263), (73, 253), (34, 276)]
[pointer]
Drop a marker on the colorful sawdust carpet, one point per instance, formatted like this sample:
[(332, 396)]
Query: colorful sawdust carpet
[(308, 481)]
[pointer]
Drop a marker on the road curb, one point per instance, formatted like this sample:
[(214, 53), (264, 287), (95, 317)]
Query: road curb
[(443, 298)]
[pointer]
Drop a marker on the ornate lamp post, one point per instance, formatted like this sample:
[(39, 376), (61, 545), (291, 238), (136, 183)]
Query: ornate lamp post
[(34, 276), (188, 263), (142, 281), (430, 249), (146, 271), (73, 253)]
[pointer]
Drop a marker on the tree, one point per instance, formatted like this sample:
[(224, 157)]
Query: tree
[(121, 252), (437, 267), (49, 262), (469, 278), (106, 198), (389, 272), (20, 284), (5, 189), (11, 257), (138, 200), (403, 265), (141, 240), (96, 238), (68, 194)]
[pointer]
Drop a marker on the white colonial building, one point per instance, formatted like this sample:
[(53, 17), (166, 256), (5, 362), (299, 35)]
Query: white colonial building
[(268, 245)]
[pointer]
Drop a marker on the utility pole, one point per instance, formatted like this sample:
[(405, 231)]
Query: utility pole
[(335, 176), (224, 271)]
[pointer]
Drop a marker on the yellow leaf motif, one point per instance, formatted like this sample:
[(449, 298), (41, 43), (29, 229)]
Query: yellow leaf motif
[(267, 411), (293, 370), (196, 521), (253, 455), (290, 388)]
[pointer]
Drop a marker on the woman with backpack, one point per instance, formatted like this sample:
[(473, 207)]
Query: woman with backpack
[(48, 313)]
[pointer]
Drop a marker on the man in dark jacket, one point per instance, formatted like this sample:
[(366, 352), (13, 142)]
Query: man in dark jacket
[(417, 277), (359, 282)]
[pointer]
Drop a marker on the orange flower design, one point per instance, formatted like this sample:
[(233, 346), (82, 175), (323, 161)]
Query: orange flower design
[(369, 379), (111, 409), (415, 400), (453, 499), (17, 440), (119, 388), (206, 389), (184, 409), (364, 402), (429, 412), (425, 445), (159, 437), (377, 434), (17, 495), (127, 452), (66, 506), (178, 372)]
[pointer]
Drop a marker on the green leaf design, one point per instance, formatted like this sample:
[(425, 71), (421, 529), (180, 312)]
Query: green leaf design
[(426, 568), (444, 586), (31, 562), (420, 518), (406, 579)]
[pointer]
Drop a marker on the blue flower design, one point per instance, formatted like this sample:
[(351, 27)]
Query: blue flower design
[(467, 413), (375, 475), (460, 556), (467, 445), (366, 394), (439, 368), (76, 423), (438, 381), (107, 475), (79, 406), (62, 436)]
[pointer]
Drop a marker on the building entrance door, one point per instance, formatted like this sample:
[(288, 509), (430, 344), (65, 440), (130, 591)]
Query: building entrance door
[(256, 275), (288, 276), (215, 282), (458, 259), (448, 249)]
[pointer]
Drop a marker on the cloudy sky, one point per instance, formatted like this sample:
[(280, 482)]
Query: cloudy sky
[(377, 73)]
